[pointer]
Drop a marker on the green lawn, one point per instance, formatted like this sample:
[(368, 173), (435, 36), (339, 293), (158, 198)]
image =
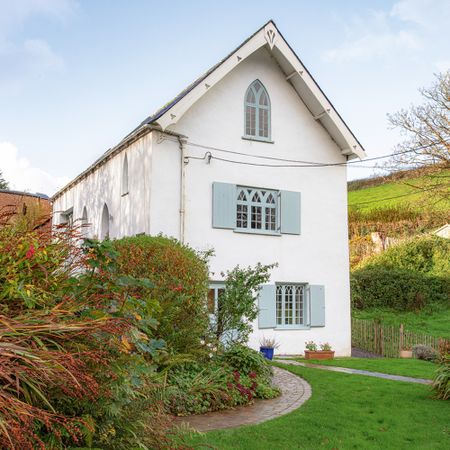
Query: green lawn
[(407, 367), (347, 412), (434, 323), (392, 194)]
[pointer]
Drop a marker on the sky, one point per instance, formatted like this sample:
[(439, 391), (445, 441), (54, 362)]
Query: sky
[(77, 76)]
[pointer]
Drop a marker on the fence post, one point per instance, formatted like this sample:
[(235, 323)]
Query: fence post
[(401, 340)]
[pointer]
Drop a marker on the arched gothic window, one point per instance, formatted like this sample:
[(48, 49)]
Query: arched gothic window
[(257, 112), (125, 176), (104, 226)]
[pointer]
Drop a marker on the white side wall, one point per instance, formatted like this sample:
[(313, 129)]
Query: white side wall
[(129, 214), (320, 254)]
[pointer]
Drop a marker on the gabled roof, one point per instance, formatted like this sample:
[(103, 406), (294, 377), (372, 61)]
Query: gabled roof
[(295, 72)]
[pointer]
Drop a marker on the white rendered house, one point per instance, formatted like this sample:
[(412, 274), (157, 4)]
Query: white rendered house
[(248, 160)]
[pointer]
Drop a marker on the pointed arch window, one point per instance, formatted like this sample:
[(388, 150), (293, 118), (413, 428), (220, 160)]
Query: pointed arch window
[(125, 176), (256, 209), (104, 226), (257, 112)]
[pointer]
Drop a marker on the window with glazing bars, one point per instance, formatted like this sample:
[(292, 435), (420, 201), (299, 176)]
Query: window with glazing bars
[(256, 209), (290, 304), (257, 111)]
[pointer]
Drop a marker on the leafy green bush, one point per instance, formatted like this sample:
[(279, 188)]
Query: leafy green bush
[(429, 255), (237, 307), (406, 277), (234, 378), (180, 279), (424, 352)]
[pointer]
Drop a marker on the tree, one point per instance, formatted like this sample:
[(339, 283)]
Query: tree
[(427, 131), (237, 305), (3, 183)]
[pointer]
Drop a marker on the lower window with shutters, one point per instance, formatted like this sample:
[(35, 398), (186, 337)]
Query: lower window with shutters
[(290, 305)]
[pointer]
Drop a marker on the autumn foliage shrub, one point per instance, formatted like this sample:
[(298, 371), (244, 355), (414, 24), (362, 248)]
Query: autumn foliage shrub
[(180, 278), (77, 358)]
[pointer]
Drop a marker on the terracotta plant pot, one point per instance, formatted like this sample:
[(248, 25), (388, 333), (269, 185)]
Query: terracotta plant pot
[(406, 354), (319, 354)]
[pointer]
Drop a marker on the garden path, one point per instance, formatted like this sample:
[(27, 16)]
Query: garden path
[(355, 371), (294, 392)]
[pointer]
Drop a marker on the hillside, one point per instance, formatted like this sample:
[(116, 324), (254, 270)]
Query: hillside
[(393, 191)]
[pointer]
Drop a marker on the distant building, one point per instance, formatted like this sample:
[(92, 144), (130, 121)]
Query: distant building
[(444, 231), (33, 209)]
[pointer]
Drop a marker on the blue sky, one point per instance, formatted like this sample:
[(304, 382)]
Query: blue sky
[(76, 76)]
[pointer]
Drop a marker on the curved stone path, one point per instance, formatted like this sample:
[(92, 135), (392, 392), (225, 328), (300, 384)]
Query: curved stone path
[(294, 392), (385, 376)]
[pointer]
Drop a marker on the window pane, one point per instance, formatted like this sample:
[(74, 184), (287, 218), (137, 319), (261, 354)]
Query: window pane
[(210, 301), (263, 123), (288, 305), (256, 222), (250, 121), (279, 305), (242, 195), (299, 310), (257, 86), (263, 100), (250, 96), (256, 197), (241, 216), (271, 219)]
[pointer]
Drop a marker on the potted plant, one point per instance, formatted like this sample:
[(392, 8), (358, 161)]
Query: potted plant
[(267, 347), (312, 351), (406, 353)]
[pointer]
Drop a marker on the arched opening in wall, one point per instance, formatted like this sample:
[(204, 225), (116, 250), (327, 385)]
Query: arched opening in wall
[(125, 176), (84, 222), (104, 230)]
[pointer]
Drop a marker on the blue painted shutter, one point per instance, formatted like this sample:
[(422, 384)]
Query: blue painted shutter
[(267, 314), (317, 305), (290, 212), (224, 205)]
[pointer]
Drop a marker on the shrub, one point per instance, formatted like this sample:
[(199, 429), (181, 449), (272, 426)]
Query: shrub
[(180, 281), (238, 303), (424, 352), (441, 382), (399, 289), (74, 353), (429, 255)]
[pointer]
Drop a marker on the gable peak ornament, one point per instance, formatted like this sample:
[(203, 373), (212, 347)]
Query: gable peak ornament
[(270, 34)]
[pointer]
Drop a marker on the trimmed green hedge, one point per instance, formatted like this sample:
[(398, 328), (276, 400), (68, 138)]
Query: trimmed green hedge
[(180, 278)]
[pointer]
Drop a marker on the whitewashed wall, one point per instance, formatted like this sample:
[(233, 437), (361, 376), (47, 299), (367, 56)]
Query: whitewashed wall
[(129, 214)]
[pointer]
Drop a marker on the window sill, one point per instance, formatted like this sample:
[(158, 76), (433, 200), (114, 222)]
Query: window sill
[(292, 327), (263, 232), (257, 139)]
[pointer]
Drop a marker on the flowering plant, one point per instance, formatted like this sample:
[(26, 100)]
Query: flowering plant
[(311, 346)]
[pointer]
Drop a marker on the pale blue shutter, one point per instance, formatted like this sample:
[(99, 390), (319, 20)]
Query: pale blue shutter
[(317, 305), (224, 205), (290, 212), (266, 303)]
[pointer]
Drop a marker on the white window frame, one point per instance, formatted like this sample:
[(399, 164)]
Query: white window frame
[(300, 310), (247, 213), (257, 108)]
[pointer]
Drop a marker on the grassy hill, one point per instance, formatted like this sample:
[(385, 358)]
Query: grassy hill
[(391, 206), (393, 191)]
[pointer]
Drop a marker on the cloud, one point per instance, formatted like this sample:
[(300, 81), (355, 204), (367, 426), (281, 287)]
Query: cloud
[(26, 57), (442, 66), (23, 176), (403, 29)]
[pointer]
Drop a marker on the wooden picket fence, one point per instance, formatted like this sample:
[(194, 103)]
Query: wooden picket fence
[(388, 340)]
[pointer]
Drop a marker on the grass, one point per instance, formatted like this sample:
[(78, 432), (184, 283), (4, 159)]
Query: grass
[(392, 194), (347, 412), (407, 367), (435, 323)]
